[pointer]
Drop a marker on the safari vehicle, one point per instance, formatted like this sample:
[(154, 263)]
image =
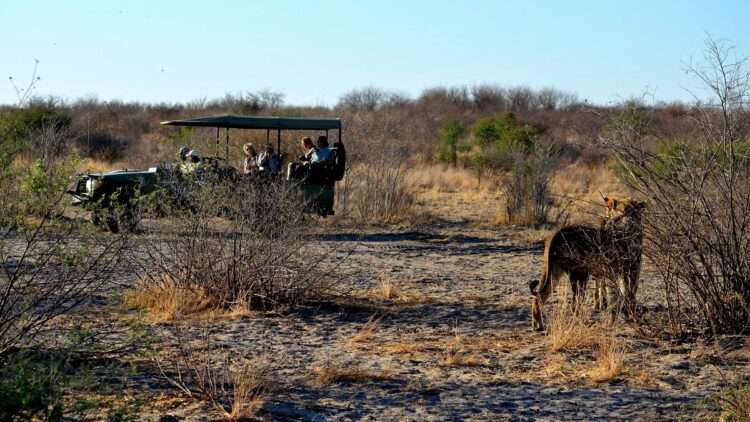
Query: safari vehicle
[(109, 195), (317, 181), (113, 196)]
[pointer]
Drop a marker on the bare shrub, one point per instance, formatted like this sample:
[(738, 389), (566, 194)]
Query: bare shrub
[(382, 194), (241, 243), (527, 187), (697, 233), (47, 270), (234, 387)]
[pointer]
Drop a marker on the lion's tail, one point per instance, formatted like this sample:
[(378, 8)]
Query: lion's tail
[(537, 286)]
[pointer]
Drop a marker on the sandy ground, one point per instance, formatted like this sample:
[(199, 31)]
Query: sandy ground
[(454, 344)]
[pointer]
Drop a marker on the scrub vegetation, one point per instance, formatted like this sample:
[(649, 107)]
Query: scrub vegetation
[(411, 302)]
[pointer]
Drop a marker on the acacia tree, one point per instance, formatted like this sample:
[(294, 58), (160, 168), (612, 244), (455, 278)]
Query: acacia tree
[(451, 132), (697, 230)]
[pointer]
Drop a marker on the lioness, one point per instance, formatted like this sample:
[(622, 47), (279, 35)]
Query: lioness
[(606, 253)]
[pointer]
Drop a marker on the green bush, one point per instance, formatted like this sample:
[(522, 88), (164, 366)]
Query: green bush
[(42, 187), (500, 139), (677, 158), (732, 403), (18, 127), (451, 132), (30, 388)]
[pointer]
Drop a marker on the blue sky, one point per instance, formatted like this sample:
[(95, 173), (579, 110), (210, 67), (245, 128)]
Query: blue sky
[(313, 52)]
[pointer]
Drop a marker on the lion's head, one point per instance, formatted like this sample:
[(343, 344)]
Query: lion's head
[(628, 207)]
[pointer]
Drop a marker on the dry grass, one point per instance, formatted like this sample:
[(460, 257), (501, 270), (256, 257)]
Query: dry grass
[(733, 402), (164, 300), (462, 351), (92, 165), (387, 288), (331, 373), (443, 178), (583, 187), (402, 348), (609, 360), (365, 333), (249, 383), (560, 369), (572, 330), (457, 357)]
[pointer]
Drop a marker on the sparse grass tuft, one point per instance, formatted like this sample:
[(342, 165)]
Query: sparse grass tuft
[(572, 330), (609, 360), (249, 383), (456, 357), (733, 402), (366, 333), (388, 289), (402, 348), (164, 300), (330, 373), (462, 352)]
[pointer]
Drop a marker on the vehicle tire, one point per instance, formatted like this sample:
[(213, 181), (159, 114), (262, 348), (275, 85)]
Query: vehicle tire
[(116, 212), (111, 223), (126, 218)]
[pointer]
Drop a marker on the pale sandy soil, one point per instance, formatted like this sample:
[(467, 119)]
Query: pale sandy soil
[(462, 294)]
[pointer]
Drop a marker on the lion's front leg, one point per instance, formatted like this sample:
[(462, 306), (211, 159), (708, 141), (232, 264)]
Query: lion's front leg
[(537, 323)]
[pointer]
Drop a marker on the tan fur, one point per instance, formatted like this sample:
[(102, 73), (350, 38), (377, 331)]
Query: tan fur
[(609, 252)]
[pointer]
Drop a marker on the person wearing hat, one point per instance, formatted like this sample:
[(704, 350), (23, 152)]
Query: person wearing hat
[(182, 154), (250, 165)]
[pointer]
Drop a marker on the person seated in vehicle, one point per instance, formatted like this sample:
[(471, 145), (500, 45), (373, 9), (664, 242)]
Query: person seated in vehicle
[(269, 161), (297, 169), (323, 152), (182, 153), (308, 149), (250, 164), (191, 162)]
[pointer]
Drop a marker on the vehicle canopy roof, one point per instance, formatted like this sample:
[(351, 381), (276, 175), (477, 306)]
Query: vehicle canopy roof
[(229, 121)]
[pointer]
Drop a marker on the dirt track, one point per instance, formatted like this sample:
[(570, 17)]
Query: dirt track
[(462, 294)]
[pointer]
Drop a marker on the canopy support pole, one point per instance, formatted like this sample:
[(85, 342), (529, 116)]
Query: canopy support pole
[(268, 136), (216, 149), (339, 134), (278, 141), (226, 156)]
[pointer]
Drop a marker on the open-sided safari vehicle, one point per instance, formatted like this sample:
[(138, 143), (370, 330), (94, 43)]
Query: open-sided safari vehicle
[(113, 196)]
